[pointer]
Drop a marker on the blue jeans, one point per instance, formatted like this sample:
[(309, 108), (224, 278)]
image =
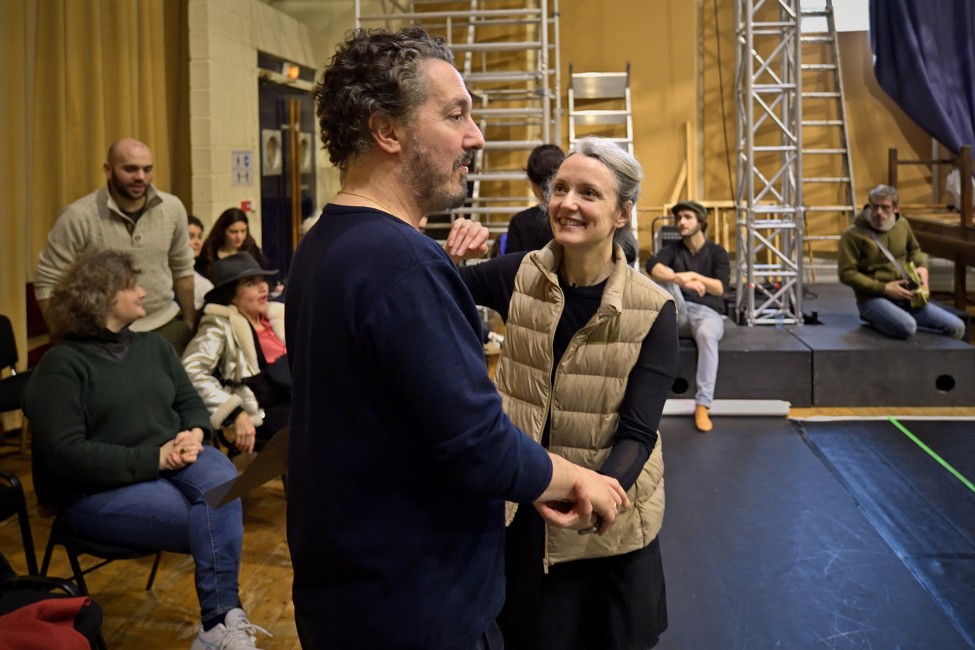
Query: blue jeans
[(899, 320), (706, 327), (170, 514)]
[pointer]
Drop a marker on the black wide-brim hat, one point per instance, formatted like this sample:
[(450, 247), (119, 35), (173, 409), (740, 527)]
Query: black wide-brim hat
[(232, 268)]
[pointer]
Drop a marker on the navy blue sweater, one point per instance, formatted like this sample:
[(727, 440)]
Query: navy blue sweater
[(400, 453)]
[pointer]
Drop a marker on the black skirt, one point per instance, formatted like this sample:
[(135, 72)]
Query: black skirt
[(612, 603)]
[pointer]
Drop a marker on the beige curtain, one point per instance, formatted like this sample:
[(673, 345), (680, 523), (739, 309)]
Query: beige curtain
[(76, 75)]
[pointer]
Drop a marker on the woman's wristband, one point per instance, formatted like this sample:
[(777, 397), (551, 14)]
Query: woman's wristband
[(233, 416)]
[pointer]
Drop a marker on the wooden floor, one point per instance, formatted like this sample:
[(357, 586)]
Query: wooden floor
[(168, 616)]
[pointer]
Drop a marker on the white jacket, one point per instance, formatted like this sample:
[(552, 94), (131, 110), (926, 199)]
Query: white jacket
[(222, 355)]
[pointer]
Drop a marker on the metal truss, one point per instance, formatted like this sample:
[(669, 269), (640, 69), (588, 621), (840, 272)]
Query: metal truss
[(769, 214)]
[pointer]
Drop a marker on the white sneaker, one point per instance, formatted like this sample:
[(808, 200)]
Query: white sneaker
[(235, 633)]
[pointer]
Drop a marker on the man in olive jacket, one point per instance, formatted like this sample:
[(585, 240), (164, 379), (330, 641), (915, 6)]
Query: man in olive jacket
[(882, 293)]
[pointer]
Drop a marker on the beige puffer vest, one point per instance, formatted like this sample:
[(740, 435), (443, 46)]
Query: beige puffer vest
[(589, 385)]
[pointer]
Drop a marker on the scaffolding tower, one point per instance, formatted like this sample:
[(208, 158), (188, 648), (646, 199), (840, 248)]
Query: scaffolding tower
[(508, 55), (769, 213)]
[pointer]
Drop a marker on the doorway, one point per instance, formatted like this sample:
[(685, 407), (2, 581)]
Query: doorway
[(287, 169)]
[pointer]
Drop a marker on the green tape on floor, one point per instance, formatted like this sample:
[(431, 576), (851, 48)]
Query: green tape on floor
[(932, 453)]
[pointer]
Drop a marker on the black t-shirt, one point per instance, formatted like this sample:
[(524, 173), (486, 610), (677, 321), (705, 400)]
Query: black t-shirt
[(135, 215), (711, 261), (528, 230)]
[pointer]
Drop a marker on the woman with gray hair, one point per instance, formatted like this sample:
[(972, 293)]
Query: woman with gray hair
[(589, 356)]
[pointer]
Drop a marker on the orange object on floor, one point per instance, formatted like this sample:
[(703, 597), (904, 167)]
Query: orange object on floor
[(701, 419)]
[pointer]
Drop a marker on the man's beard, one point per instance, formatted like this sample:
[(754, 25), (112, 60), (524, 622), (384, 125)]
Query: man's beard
[(431, 187), (885, 225), (122, 190), (693, 230)]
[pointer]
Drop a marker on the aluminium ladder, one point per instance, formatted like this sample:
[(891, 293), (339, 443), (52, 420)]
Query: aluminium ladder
[(600, 104), (828, 187)]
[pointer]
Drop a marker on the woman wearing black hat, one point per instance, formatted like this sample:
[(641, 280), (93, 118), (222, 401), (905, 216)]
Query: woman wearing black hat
[(237, 360)]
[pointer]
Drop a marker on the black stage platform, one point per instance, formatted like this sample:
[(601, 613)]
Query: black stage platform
[(828, 535), (838, 363)]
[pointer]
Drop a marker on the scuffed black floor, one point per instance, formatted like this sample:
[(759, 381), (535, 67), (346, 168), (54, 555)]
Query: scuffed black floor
[(764, 546), (925, 512)]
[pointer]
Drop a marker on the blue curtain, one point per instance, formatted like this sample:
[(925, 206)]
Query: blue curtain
[(925, 61)]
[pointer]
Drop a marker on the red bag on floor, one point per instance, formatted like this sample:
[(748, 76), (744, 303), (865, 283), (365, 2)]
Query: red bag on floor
[(48, 623)]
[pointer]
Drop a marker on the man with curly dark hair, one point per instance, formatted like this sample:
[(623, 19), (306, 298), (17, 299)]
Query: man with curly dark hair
[(400, 455)]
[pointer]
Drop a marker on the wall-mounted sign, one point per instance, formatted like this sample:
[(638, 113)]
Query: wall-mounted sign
[(241, 168)]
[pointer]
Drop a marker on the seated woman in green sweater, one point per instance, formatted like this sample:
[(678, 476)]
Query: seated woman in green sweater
[(119, 440)]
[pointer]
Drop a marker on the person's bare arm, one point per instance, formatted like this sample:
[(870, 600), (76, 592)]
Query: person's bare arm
[(712, 286), (42, 305), (184, 296), (662, 273)]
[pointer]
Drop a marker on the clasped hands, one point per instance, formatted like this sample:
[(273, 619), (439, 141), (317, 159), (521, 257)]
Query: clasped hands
[(593, 501), (689, 280), (181, 450), (593, 505)]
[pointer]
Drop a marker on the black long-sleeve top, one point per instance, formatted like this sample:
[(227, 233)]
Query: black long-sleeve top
[(491, 283)]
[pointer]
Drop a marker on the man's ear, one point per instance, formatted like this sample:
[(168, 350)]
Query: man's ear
[(384, 134)]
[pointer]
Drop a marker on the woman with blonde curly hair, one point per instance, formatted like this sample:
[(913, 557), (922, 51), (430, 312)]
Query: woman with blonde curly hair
[(119, 440)]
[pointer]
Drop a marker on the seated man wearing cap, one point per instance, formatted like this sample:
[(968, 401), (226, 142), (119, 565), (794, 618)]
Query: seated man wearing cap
[(696, 271), (237, 360)]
